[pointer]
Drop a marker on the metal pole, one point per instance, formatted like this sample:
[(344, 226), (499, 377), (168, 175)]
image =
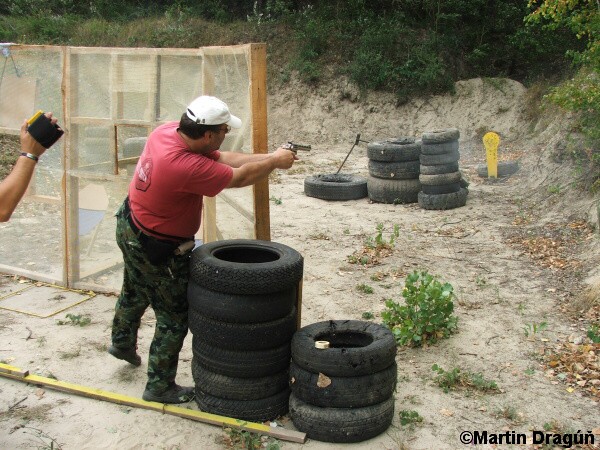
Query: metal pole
[(357, 140)]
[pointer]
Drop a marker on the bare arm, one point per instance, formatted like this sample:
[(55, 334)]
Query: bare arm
[(236, 159), (260, 167), (15, 184)]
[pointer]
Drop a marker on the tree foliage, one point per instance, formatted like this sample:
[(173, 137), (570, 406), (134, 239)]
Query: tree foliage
[(581, 93), (410, 47), (582, 17)]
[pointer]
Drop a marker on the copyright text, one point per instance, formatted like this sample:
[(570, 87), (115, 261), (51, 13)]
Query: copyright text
[(536, 437)]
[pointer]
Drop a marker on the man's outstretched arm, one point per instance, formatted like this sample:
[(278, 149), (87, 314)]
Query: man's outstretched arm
[(13, 187)]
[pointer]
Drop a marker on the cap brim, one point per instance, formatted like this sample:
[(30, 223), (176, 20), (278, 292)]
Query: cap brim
[(234, 122)]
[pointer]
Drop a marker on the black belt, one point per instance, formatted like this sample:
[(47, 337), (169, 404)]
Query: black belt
[(141, 233)]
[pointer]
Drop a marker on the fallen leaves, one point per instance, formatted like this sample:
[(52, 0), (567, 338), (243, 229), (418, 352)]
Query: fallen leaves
[(546, 252), (370, 256), (323, 381), (552, 246), (577, 366)]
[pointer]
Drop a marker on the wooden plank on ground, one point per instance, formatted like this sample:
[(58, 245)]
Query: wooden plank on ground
[(199, 416)]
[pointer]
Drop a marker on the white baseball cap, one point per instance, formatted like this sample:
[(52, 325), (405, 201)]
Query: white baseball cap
[(207, 110)]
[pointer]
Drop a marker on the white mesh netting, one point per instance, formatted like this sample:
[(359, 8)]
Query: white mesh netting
[(108, 100)]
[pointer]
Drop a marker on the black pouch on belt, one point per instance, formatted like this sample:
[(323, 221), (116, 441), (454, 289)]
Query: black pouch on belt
[(158, 251)]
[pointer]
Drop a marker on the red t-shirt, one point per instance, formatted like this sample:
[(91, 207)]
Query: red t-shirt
[(170, 181)]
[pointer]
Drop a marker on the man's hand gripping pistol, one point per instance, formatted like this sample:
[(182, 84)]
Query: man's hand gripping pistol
[(295, 147)]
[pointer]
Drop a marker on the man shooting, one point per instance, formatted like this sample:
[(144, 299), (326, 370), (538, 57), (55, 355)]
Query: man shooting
[(180, 164)]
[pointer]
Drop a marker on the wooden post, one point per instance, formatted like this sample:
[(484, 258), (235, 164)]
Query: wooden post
[(70, 182), (258, 104), (209, 208), (65, 86)]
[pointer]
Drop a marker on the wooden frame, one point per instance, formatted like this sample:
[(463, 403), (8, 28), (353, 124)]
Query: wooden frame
[(120, 61), (257, 68)]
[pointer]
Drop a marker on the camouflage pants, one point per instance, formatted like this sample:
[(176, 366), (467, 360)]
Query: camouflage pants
[(164, 287)]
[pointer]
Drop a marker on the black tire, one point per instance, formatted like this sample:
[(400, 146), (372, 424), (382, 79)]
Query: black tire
[(441, 189), (242, 363), (406, 170), (356, 348), (333, 186), (260, 410), (343, 425), (442, 178), (438, 169), (134, 146), (234, 388), (439, 136), (433, 160), (343, 392), (394, 150), (505, 168), (393, 191), (242, 308), (245, 266), (443, 201), (439, 149), (243, 336)]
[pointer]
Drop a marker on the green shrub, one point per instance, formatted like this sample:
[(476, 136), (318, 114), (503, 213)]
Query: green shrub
[(581, 95), (75, 319), (594, 334), (392, 57), (409, 48), (312, 33), (457, 378), (426, 316), (409, 417), (364, 288)]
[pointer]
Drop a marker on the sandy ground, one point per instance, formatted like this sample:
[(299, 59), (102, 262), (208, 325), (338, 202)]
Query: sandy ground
[(501, 289)]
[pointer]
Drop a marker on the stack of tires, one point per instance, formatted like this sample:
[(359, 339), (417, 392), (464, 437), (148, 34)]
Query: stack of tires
[(343, 391), (394, 170), (242, 315), (441, 181)]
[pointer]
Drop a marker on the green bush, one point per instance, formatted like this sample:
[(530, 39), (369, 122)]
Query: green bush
[(426, 316), (313, 37), (581, 95), (410, 48), (457, 378), (391, 56), (409, 417), (594, 333)]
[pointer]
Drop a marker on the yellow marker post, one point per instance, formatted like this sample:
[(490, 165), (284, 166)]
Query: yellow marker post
[(491, 141)]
